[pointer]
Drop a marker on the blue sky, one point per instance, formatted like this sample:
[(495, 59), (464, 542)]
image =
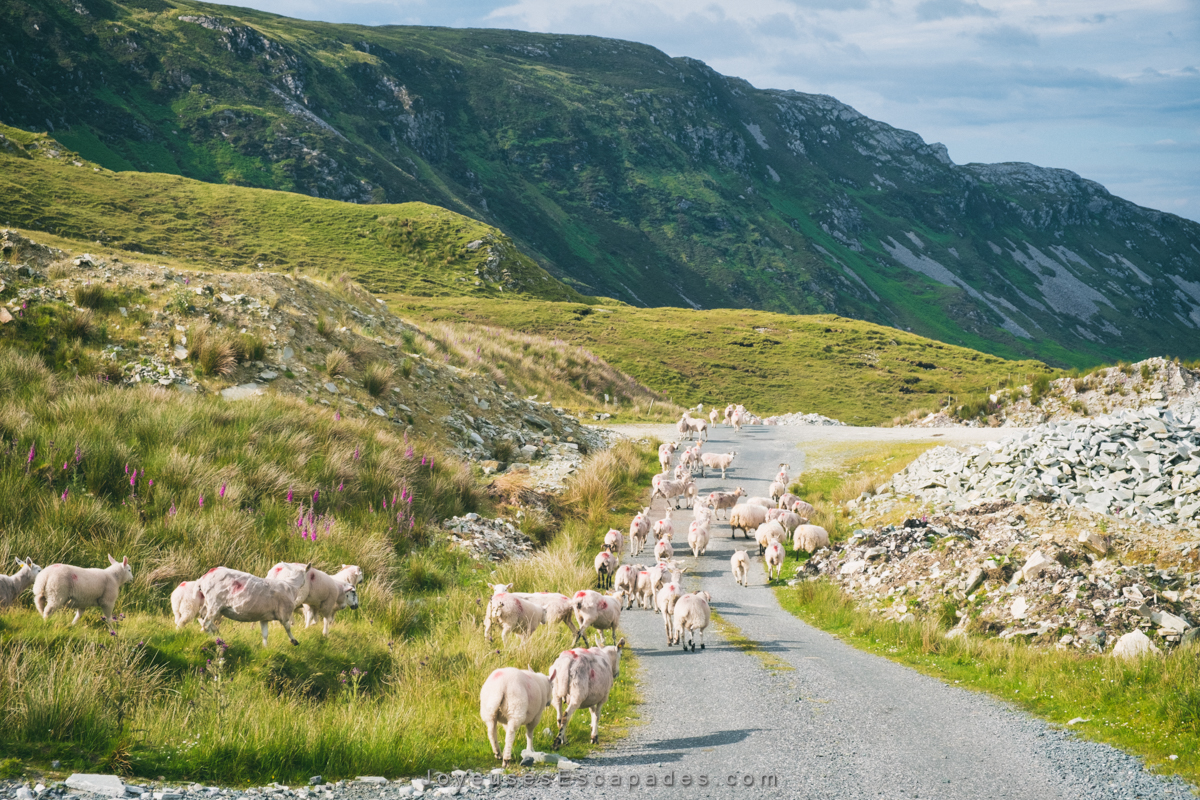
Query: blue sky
[(1107, 88)]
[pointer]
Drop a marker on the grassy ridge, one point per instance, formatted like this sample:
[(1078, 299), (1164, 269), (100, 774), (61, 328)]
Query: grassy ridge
[(413, 248), (392, 691), (859, 372)]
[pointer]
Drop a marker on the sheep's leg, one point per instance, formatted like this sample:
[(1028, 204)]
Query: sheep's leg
[(563, 721), (325, 627), (596, 723), (667, 625), (263, 625), (287, 626), (529, 734), (491, 730), (78, 614), (510, 733), (702, 638)]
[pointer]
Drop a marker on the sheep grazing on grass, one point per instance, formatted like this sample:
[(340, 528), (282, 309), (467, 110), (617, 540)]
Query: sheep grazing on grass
[(243, 597), (739, 562), (773, 560), (664, 527), (725, 500), (770, 531), (698, 537), (597, 611), (625, 583), (716, 461), (515, 698), (810, 538), (187, 601), (513, 615), (746, 517), (692, 614), (639, 530), (583, 679), (557, 606), (13, 586), (670, 490), (64, 586), (605, 564), (614, 542)]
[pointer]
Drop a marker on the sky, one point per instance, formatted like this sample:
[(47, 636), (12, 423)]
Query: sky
[(1109, 89)]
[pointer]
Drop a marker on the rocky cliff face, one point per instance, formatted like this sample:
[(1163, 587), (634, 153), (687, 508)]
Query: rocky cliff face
[(621, 170)]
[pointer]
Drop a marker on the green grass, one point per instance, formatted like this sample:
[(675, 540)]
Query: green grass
[(1149, 707), (858, 372), (229, 483)]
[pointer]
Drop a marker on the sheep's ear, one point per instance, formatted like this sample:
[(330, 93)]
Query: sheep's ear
[(621, 643), (125, 561), (20, 563), (308, 566), (111, 560)]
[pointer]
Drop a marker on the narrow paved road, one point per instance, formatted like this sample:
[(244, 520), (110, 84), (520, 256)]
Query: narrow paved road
[(842, 723)]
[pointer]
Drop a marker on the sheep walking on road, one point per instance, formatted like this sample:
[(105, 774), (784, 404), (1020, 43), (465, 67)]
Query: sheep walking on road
[(583, 679), (773, 560), (692, 615), (515, 698), (739, 562), (605, 565), (597, 611)]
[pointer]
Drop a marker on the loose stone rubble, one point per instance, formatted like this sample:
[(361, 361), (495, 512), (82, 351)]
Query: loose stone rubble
[(488, 539), (798, 418), (1139, 464)]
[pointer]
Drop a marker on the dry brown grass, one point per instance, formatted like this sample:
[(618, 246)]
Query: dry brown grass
[(337, 362)]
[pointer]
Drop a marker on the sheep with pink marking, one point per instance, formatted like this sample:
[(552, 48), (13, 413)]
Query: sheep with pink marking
[(243, 597), (556, 605), (514, 698), (639, 531), (512, 615), (327, 594), (583, 679), (597, 611), (187, 601), (725, 500), (65, 586)]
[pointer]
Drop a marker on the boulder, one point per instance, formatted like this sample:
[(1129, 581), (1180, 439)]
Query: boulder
[(1094, 542), (107, 785), (1036, 565), (1133, 645)]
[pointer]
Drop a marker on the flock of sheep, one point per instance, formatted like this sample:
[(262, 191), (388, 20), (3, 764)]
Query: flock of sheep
[(583, 677)]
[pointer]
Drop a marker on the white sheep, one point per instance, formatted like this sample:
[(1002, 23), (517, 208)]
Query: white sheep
[(639, 530), (605, 564), (725, 500), (663, 550), (670, 490), (597, 611), (773, 560), (13, 586), (614, 542), (513, 615), (583, 679), (716, 461), (789, 519), (557, 606), (243, 597), (692, 614), (349, 573), (713, 416), (664, 527), (517, 698), (770, 531), (698, 537), (187, 601), (62, 585), (746, 517), (765, 502), (810, 538), (797, 506), (728, 418), (327, 594), (739, 562), (666, 597), (625, 583), (778, 489), (782, 476), (644, 589)]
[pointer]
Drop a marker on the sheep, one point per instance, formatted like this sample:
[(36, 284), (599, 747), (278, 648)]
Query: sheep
[(517, 698), (665, 452), (13, 586), (692, 614), (557, 606), (639, 529), (348, 573), (646, 586), (664, 527), (746, 517), (797, 506), (728, 419), (773, 560), (663, 550), (594, 610), (777, 490), (713, 416), (810, 538), (765, 502), (736, 421), (62, 585), (725, 500), (670, 490), (614, 541), (583, 679), (513, 615), (698, 426), (698, 537), (739, 562), (782, 477), (243, 597), (790, 520), (625, 583), (327, 595), (691, 459), (683, 427), (770, 531), (187, 601), (666, 597), (716, 461), (605, 564)]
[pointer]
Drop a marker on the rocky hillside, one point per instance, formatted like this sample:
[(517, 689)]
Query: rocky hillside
[(620, 170)]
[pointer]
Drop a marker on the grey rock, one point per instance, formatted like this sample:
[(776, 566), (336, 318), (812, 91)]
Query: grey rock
[(107, 785), (242, 392), (331, 387), (316, 780), (268, 375)]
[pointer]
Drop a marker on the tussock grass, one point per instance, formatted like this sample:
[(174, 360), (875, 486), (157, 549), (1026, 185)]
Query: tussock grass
[(337, 362), (377, 378)]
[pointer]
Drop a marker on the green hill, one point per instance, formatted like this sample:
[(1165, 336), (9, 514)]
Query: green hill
[(620, 170)]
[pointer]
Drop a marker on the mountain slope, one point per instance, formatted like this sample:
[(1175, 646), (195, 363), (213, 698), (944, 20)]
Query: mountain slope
[(622, 171)]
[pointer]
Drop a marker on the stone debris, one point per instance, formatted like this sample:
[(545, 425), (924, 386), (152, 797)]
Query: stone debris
[(488, 539), (1139, 464), (798, 418)]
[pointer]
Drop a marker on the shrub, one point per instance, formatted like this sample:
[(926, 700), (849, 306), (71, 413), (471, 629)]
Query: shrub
[(337, 362), (1039, 389), (377, 378)]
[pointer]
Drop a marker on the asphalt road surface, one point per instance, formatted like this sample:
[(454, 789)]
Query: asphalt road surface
[(718, 723)]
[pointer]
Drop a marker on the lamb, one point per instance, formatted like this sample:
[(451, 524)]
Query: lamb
[(798, 506), (698, 537), (666, 597), (716, 461), (729, 409), (746, 517), (665, 452), (692, 614), (664, 527), (790, 520), (639, 529), (670, 490), (647, 580), (691, 459), (583, 679), (513, 615), (782, 477), (680, 469), (614, 541), (778, 489), (739, 562), (605, 564), (713, 416), (557, 606), (625, 583), (13, 586), (810, 538), (663, 550), (348, 573), (187, 601), (770, 531), (725, 500), (517, 698), (327, 595), (62, 585), (773, 560), (243, 597), (736, 420), (594, 610)]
